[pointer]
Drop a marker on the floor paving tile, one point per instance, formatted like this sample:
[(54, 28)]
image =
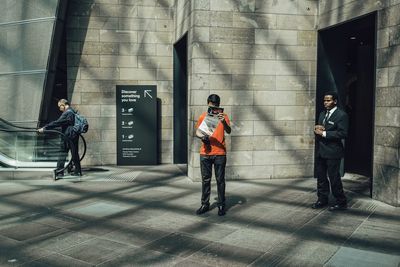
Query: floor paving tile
[(131, 217), (349, 257), (56, 220), (11, 208), (57, 260), (96, 251), (385, 214), (14, 253), (375, 236), (151, 221), (136, 235), (218, 254), (255, 239), (177, 244), (97, 227), (207, 231), (99, 209), (60, 240), (273, 260), (170, 222), (186, 263), (239, 216), (297, 252), (293, 219), (333, 227), (143, 257), (26, 231)]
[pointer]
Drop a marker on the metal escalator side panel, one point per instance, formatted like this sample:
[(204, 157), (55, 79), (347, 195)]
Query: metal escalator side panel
[(28, 149)]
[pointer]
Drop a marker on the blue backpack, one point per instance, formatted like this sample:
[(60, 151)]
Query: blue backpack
[(81, 124)]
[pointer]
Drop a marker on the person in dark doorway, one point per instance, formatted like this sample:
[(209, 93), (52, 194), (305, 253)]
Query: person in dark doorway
[(213, 152), (66, 121), (331, 128)]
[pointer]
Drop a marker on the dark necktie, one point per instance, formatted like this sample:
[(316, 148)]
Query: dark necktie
[(326, 118)]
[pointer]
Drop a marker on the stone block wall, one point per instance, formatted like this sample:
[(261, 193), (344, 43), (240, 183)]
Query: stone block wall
[(260, 57), (118, 42), (386, 169), (386, 186), (182, 20)]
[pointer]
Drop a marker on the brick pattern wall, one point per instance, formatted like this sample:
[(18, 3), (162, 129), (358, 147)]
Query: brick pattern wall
[(386, 169), (260, 57), (118, 42), (387, 107), (182, 20)]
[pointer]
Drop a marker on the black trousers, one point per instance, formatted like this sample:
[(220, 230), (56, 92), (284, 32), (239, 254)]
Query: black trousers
[(66, 146), (332, 168), (206, 163)]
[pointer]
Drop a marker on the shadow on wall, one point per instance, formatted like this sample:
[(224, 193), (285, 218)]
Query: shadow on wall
[(23, 72), (272, 125), (98, 84)]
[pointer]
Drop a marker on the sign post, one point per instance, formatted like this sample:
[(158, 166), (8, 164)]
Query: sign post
[(136, 124)]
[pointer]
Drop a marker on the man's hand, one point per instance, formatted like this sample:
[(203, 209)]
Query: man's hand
[(206, 139), (319, 129), (221, 117), (41, 130)]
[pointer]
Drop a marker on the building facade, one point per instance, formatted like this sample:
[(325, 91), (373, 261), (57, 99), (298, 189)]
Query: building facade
[(261, 57)]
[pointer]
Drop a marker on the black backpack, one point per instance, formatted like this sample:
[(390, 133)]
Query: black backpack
[(81, 124)]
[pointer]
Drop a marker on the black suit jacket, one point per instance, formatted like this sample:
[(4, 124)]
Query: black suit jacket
[(336, 127)]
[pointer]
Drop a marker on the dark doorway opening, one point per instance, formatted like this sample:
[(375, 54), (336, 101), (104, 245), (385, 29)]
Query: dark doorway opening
[(180, 101), (346, 64)]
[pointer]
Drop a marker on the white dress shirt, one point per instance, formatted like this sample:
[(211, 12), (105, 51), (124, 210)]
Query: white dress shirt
[(327, 118)]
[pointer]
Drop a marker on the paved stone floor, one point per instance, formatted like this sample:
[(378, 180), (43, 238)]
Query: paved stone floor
[(146, 217)]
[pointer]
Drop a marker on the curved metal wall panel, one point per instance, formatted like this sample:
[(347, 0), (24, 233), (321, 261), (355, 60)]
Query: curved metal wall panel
[(20, 96), (19, 10), (25, 47), (26, 30)]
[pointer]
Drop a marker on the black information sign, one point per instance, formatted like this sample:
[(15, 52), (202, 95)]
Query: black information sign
[(136, 124)]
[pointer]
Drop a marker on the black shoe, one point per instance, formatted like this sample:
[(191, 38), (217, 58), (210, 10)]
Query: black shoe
[(338, 207), (59, 175), (77, 174), (70, 169), (221, 211), (203, 209), (319, 205)]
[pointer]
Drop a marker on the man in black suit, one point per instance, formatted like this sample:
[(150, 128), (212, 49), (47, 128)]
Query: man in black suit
[(331, 129)]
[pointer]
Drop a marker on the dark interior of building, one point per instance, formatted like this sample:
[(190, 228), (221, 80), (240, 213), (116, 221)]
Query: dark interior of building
[(180, 101), (346, 64)]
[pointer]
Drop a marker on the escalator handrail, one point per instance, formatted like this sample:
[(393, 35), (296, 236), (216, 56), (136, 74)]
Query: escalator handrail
[(35, 129), (46, 131), (16, 126)]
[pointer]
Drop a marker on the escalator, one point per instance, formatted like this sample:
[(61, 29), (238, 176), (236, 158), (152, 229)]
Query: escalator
[(24, 149)]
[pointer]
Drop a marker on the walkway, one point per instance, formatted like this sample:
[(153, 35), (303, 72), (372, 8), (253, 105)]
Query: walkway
[(146, 217)]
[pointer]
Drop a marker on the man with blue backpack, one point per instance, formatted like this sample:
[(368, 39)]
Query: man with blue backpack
[(72, 125)]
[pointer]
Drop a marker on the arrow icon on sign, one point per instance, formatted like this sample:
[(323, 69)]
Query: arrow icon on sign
[(147, 92)]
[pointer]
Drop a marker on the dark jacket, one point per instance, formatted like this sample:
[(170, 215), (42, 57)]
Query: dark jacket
[(336, 127), (66, 121)]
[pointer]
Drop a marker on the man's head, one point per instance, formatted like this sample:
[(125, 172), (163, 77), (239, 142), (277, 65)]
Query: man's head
[(330, 100), (213, 100), (63, 104)]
